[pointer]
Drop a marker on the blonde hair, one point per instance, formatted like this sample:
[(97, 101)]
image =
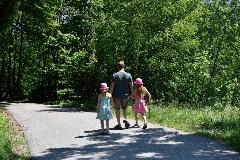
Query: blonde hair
[(139, 89)]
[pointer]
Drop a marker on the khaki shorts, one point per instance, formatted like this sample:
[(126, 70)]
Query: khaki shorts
[(120, 103)]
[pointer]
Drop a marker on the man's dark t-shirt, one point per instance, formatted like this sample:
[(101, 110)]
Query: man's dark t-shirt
[(121, 87)]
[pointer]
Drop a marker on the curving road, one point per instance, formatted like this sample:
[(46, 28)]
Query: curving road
[(55, 133)]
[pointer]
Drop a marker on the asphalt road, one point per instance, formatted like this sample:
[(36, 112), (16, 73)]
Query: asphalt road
[(55, 133)]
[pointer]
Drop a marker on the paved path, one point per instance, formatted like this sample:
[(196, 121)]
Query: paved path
[(55, 133)]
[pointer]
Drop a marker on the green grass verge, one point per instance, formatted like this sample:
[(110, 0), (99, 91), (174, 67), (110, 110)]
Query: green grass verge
[(12, 142), (221, 123)]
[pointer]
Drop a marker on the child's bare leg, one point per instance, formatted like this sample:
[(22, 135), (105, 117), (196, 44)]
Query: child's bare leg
[(144, 118), (107, 125), (125, 111), (145, 121), (136, 118), (102, 125), (118, 116)]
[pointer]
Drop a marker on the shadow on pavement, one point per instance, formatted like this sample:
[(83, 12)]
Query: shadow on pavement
[(152, 143), (48, 108), (4, 103), (55, 109)]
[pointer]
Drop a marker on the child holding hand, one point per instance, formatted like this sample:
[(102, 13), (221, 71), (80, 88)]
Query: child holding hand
[(139, 106)]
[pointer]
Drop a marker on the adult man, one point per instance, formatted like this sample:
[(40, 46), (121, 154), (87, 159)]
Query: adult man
[(121, 83)]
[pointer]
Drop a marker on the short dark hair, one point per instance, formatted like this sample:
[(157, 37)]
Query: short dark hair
[(121, 64)]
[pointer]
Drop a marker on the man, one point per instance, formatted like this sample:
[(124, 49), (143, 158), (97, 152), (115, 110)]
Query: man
[(121, 83)]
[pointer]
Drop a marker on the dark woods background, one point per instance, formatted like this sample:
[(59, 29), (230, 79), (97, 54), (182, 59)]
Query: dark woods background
[(186, 51)]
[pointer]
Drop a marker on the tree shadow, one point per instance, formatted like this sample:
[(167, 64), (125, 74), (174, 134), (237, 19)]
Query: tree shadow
[(153, 143), (58, 109), (47, 107), (3, 104), (97, 132)]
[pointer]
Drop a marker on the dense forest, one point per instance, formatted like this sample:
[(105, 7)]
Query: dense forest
[(186, 51)]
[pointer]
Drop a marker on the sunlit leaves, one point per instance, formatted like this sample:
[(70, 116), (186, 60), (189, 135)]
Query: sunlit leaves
[(185, 50)]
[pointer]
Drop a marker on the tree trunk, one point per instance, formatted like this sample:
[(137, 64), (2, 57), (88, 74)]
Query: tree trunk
[(19, 73)]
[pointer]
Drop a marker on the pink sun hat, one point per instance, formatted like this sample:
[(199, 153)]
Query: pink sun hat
[(138, 81), (103, 86)]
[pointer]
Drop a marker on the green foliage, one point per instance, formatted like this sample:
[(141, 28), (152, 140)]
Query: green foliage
[(65, 93), (8, 11), (185, 51), (13, 145), (5, 144)]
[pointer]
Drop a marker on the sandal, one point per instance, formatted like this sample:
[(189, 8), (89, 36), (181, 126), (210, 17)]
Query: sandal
[(127, 124), (102, 133), (145, 126), (136, 126), (118, 127)]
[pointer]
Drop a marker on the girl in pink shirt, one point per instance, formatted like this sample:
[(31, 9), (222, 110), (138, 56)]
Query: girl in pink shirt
[(139, 106)]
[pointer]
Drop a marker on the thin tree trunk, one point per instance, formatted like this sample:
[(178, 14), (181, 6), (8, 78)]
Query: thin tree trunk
[(9, 86), (14, 70), (19, 73), (2, 80)]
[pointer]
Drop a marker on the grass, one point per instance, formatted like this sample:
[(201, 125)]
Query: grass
[(221, 123), (12, 143)]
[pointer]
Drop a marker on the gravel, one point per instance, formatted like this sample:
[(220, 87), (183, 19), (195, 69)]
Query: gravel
[(56, 133)]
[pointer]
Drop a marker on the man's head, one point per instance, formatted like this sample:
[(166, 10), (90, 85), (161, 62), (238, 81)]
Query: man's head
[(120, 65)]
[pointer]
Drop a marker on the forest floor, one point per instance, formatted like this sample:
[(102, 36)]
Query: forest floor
[(59, 133)]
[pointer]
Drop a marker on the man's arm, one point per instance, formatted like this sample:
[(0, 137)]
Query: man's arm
[(112, 87), (111, 100), (130, 85)]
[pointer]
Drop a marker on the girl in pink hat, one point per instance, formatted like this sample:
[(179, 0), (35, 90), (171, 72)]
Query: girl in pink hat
[(104, 108), (139, 106)]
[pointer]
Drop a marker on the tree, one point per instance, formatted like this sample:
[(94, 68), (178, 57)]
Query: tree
[(8, 9)]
